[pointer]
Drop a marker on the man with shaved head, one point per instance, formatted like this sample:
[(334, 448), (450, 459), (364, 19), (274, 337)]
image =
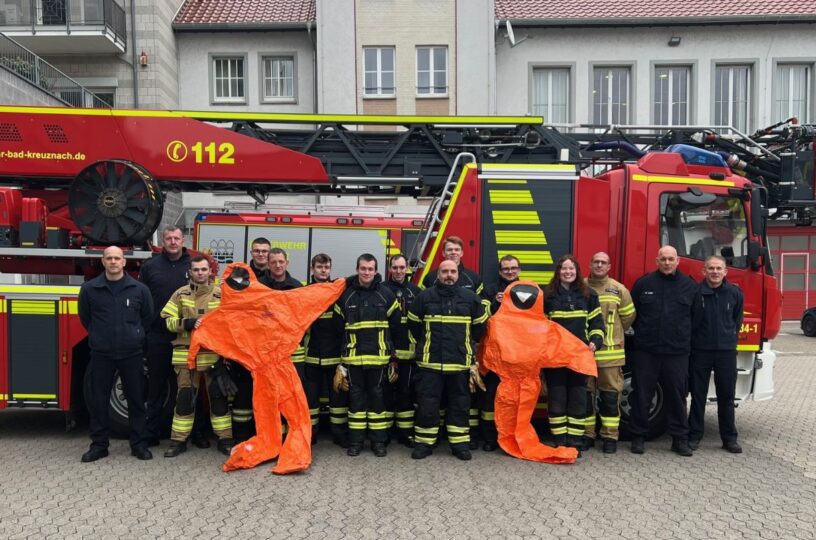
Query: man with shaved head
[(663, 300), (447, 320), (116, 310)]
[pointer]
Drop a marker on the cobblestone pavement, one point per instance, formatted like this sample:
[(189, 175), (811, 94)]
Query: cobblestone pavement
[(767, 492)]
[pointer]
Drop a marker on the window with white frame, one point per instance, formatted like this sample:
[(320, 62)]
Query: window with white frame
[(278, 78), (671, 95), (551, 88), (792, 92), (432, 71), (610, 95), (732, 96), (378, 66), (229, 79)]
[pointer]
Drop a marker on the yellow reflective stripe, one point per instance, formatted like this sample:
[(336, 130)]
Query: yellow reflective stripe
[(506, 181), (367, 324), (394, 306), (170, 309), (752, 348), (34, 307), (680, 180), (578, 314), (327, 315), (413, 317), (520, 237), (527, 166), (39, 289), (595, 332), (483, 317), (627, 309), (338, 310), (516, 217), (33, 396), (510, 196), (536, 275), (443, 366), (458, 319), (594, 313), (609, 299), (528, 257)]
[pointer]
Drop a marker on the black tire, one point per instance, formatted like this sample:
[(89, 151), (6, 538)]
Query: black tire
[(117, 405), (809, 325), (657, 411)]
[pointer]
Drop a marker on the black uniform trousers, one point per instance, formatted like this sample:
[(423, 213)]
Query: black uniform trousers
[(101, 372), (399, 398), (724, 364), (318, 383), (566, 405), (159, 372), (367, 404), (487, 418), (672, 372), (243, 421), (430, 386)]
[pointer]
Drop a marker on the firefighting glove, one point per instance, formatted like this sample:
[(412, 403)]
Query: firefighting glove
[(475, 380), (392, 372), (340, 382), (189, 324), (221, 376)]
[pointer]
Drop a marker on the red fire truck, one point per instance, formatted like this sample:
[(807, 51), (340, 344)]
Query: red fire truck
[(82, 178)]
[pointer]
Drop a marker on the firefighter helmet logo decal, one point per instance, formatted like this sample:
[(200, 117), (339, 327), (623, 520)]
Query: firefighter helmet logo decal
[(177, 151)]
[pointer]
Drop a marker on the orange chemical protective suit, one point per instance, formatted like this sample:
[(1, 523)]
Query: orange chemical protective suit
[(260, 328), (519, 342)]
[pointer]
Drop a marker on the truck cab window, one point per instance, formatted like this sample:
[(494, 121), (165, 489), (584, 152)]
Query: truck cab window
[(706, 225)]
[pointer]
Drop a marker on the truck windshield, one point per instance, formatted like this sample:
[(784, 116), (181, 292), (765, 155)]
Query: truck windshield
[(712, 225)]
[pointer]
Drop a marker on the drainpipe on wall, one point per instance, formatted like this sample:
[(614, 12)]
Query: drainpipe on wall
[(313, 41), (134, 61)]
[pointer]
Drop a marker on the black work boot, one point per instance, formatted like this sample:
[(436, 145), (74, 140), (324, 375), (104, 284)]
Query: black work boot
[(638, 445), (733, 447), (421, 451), (225, 446), (175, 449), (341, 441), (379, 449), (490, 446), (610, 446), (200, 441), (560, 440), (462, 453), (694, 443), (354, 449), (681, 447)]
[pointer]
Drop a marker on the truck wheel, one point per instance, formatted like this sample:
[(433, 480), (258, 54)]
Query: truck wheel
[(809, 326), (657, 411)]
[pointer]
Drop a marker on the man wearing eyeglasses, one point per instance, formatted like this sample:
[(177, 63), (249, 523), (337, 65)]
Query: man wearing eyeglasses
[(618, 312), (509, 268)]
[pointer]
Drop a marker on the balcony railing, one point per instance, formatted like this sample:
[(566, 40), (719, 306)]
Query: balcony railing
[(40, 15), (27, 65)]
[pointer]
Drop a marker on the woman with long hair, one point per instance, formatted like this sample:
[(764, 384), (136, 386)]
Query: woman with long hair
[(569, 302)]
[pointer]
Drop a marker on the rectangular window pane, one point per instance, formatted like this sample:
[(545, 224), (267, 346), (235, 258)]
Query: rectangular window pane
[(792, 91), (794, 243), (378, 76), (551, 94), (732, 96), (440, 58), (228, 79), (793, 282), (423, 59), (611, 95), (387, 60), (278, 77)]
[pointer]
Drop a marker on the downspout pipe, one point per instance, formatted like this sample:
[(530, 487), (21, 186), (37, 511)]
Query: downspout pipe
[(133, 59)]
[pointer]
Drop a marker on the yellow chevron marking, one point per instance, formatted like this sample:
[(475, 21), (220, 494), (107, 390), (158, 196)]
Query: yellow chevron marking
[(516, 217), (535, 275), (510, 196), (521, 237), (502, 181), (529, 257)]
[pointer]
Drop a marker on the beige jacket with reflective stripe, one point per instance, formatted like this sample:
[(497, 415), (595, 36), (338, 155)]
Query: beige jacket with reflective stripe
[(619, 313)]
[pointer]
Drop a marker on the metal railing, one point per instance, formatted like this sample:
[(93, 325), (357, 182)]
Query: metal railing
[(49, 14), (27, 65)]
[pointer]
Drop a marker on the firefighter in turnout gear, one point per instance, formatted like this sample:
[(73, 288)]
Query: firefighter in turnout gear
[(453, 249), (182, 316), (447, 321), (573, 305), (509, 267), (402, 391), (618, 314), (371, 314), (323, 350)]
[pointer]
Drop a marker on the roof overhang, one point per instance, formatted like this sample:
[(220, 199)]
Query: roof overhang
[(242, 27), (664, 21)]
